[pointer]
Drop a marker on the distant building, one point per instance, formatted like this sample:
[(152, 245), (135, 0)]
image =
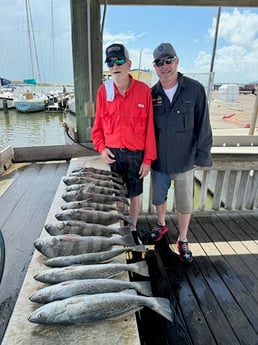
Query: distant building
[(138, 74)]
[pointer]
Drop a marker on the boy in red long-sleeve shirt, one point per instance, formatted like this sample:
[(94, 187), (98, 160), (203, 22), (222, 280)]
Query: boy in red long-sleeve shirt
[(123, 130)]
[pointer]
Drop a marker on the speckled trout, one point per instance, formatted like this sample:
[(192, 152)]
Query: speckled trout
[(87, 308), (70, 180), (91, 258), (91, 187), (97, 176), (97, 171), (82, 194), (91, 205), (79, 227), (62, 245), (87, 286), (61, 274), (93, 216)]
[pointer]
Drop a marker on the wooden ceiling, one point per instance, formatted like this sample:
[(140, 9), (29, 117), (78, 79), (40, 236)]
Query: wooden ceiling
[(216, 3)]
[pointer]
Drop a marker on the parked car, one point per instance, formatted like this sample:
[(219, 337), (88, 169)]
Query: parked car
[(248, 88)]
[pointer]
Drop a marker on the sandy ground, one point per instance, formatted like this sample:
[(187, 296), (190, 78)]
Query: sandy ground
[(242, 109)]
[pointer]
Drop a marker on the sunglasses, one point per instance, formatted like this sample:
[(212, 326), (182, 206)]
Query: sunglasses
[(118, 62), (167, 61)]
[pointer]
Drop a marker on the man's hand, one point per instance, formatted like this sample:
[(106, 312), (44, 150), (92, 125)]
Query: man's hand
[(144, 170), (107, 156)]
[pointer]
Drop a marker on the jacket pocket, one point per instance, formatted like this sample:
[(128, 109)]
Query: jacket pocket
[(139, 121), (184, 118)]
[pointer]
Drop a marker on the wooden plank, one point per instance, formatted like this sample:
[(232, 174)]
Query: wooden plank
[(231, 185), (52, 153), (244, 231), (241, 191), (204, 189), (226, 301), (21, 331), (225, 3), (24, 207), (6, 157), (233, 140), (252, 192), (230, 267), (218, 190)]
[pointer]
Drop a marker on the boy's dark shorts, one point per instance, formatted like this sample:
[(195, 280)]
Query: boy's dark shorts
[(128, 165)]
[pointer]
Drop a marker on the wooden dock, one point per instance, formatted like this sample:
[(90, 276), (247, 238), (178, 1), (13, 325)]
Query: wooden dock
[(215, 300)]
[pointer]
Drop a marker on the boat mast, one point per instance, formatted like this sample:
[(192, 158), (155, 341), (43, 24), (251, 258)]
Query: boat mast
[(29, 36), (32, 37), (53, 41)]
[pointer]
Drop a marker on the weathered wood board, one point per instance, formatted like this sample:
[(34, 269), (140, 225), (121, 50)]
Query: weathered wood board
[(21, 331)]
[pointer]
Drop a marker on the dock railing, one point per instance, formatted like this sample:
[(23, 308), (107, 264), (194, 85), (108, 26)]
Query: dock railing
[(230, 184)]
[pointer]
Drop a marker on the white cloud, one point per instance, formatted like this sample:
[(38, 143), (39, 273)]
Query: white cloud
[(122, 37), (236, 55), (237, 28)]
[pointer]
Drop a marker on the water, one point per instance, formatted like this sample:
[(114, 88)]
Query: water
[(33, 129)]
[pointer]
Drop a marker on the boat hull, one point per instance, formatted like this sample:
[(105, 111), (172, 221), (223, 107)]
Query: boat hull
[(29, 106)]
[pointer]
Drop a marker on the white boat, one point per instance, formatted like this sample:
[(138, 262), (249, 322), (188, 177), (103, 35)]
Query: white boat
[(31, 102), (6, 100)]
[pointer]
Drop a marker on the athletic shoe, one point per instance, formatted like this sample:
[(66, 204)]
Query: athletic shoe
[(185, 253), (158, 231)]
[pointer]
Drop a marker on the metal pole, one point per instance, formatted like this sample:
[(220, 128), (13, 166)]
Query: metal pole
[(254, 116), (211, 75), (89, 48)]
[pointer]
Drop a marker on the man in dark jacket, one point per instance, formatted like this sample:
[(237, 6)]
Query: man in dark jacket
[(184, 140)]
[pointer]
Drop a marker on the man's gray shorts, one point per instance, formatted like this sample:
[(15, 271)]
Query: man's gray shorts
[(183, 189)]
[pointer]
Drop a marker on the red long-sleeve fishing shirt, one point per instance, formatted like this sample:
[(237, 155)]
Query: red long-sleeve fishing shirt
[(126, 121)]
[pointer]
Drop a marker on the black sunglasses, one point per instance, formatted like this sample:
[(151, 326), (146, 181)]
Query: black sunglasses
[(118, 62), (167, 61)]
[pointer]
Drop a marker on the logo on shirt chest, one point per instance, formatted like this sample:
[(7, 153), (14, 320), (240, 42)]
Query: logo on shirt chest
[(157, 101)]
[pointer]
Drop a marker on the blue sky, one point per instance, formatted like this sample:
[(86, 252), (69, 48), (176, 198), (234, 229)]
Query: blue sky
[(141, 29)]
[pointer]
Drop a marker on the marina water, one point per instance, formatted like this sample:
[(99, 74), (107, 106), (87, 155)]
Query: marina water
[(33, 129)]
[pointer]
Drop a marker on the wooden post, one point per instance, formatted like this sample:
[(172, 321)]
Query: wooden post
[(87, 59), (254, 117)]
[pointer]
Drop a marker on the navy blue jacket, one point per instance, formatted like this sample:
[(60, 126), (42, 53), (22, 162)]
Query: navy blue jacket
[(183, 131)]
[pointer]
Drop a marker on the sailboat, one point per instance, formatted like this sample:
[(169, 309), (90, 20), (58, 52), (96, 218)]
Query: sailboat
[(31, 101)]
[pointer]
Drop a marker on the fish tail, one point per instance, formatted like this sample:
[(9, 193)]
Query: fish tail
[(124, 230), (162, 306), (127, 240), (121, 210), (141, 268), (139, 248), (123, 200), (127, 219), (144, 287)]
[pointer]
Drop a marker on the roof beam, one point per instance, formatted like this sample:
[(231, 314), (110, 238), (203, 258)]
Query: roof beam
[(216, 3)]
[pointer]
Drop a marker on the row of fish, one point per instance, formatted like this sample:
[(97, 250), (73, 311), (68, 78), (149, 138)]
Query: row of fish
[(80, 254)]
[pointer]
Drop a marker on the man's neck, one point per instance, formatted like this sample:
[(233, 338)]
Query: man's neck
[(123, 84), (168, 83)]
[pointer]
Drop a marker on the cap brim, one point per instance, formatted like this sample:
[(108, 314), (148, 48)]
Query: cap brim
[(116, 56)]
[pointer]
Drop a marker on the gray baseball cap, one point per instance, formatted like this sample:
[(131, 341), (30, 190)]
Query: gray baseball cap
[(164, 49)]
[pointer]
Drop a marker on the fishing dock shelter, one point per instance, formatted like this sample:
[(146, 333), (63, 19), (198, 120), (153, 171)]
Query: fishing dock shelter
[(87, 47)]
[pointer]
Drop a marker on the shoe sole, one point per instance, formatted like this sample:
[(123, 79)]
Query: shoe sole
[(185, 262)]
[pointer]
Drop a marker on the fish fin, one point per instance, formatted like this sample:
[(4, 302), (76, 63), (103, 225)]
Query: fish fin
[(122, 199), (127, 219), (127, 240), (143, 287), (141, 268), (162, 306), (125, 230), (125, 314)]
